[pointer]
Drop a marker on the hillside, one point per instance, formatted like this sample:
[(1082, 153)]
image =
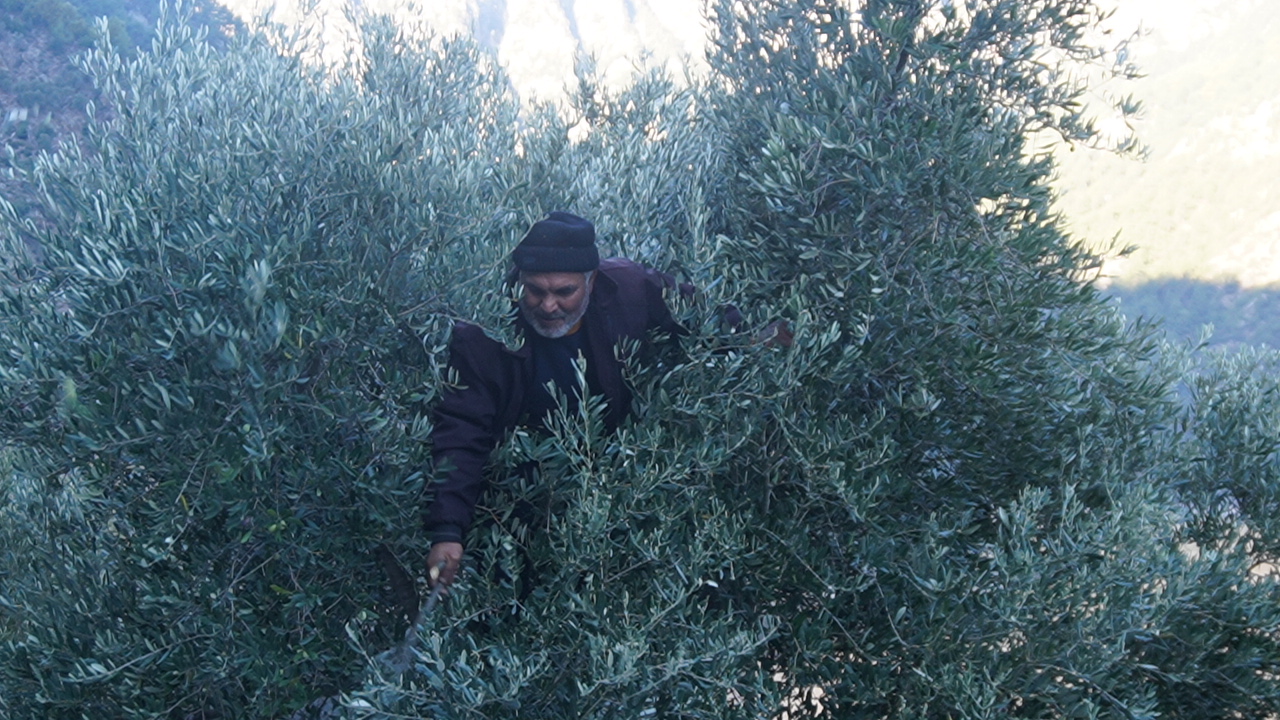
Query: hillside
[(1203, 204), (43, 92)]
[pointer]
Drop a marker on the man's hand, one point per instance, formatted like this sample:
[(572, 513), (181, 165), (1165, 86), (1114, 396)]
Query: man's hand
[(776, 334), (448, 553)]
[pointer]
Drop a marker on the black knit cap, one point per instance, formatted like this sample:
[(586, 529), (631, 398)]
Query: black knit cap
[(561, 243)]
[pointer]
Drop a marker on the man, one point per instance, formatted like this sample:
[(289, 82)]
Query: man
[(572, 306)]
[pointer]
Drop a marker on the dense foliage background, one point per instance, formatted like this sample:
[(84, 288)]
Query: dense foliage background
[(968, 490), (43, 88)]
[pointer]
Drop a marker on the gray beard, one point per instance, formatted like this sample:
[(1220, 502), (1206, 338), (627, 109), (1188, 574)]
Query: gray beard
[(560, 330)]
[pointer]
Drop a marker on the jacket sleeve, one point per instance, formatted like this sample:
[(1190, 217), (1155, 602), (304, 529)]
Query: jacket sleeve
[(463, 435), (657, 285)]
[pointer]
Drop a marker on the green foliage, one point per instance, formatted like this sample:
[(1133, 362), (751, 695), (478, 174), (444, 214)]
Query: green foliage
[(41, 75), (237, 271), (968, 489), (1231, 438)]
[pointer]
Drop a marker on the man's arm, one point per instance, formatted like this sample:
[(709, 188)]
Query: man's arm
[(660, 285), (657, 286), (463, 434)]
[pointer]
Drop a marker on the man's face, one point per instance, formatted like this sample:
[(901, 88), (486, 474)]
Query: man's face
[(553, 302)]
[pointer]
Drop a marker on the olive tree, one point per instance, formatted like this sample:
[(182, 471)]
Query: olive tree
[(967, 489)]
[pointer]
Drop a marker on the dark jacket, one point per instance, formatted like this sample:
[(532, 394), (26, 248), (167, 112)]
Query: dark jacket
[(487, 402)]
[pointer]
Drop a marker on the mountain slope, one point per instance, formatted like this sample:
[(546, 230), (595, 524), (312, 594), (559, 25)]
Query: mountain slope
[(1204, 204)]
